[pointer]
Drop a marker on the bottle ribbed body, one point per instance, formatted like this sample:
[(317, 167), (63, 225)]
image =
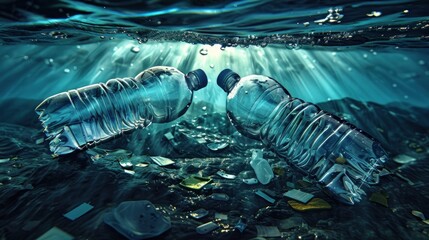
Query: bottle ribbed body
[(79, 118), (337, 154), (315, 141)]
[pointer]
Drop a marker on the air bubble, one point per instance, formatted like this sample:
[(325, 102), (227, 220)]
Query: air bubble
[(135, 49), (204, 51), (66, 70)]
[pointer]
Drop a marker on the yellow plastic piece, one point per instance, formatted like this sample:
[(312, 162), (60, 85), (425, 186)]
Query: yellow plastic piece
[(195, 182), (313, 204)]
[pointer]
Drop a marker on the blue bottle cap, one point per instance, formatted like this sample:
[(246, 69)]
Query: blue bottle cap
[(197, 79), (227, 79)]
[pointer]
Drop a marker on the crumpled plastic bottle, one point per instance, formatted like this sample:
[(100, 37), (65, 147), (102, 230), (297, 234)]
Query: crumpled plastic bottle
[(340, 156), (264, 172), (80, 118)]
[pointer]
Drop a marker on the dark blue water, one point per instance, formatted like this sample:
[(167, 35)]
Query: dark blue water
[(366, 62)]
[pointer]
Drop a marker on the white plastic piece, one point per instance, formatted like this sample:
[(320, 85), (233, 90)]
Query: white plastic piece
[(78, 211), (199, 213), (219, 196), (162, 161), (250, 181), (403, 159), (299, 195), (225, 175), (262, 168)]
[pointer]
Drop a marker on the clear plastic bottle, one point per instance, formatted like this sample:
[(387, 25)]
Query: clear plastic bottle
[(77, 119), (341, 157)]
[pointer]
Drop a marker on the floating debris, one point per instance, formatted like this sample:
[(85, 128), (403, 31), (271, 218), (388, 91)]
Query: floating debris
[(225, 175), (250, 181), (267, 231), (135, 49), (265, 196), (204, 51), (143, 164), (126, 164), (306, 24), (313, 204), (199, 213), (217, 146), (195, 182), (298, 195), (403, 159), (219, 196), (169, 136), (380, 198), (206, 227), (420, 215), (4, 160), (162, 161), (374, 14), (78, 211), (55, 234)]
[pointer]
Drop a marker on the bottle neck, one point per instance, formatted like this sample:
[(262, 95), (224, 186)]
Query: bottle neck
[(231, 82)]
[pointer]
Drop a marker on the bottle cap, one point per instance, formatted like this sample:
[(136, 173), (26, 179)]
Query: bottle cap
[(197, 79), (227, 79)]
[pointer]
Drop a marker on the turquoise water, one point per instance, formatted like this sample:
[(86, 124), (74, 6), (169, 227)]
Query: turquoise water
[(366, 62)]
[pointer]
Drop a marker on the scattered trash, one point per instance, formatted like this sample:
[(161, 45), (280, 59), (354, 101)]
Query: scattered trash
[(418, 214), (250, 181), (217, 146), (206, 227), (200, 213), (298, 195), (126, 164), (225, 175), (78, 211), (137, 220), (55, 234), (169, 136), (162, 161), (313, 204), (265, 196), (4, 160), (219, 196), (221, 216), (201, 140), (306, 24), (241, 224), (403, 159), (380, 198), (131, 172), (267, 231), (195, 182), (262, 168), (142, 164)]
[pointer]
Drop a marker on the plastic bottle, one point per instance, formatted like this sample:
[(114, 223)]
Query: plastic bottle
[(341, 157), (77, 119), (262, 168)]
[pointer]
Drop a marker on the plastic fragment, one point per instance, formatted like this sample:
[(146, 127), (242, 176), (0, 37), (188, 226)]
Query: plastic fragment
[(162, 161), (265, 196), (169, 136), (4, 160), (418, 214), (219, 196), (225, 175), (206, 227), (78, 211), (199, 213), (195, 182), (55, 234), (380, 198), (298, 195), (250, 181), (40, 141), (313, 204), (267, 231), (217, 146), (137, 220)]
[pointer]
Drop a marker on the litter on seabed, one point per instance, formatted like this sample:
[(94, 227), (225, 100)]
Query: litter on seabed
[(78, 211), (265, 196), (225, 175), (219, 196), (206, 227), (199, 213), (298, 195), (267, 231), (195, 182), (313, 204), (55, 234), (250, 181), (162, 161)]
